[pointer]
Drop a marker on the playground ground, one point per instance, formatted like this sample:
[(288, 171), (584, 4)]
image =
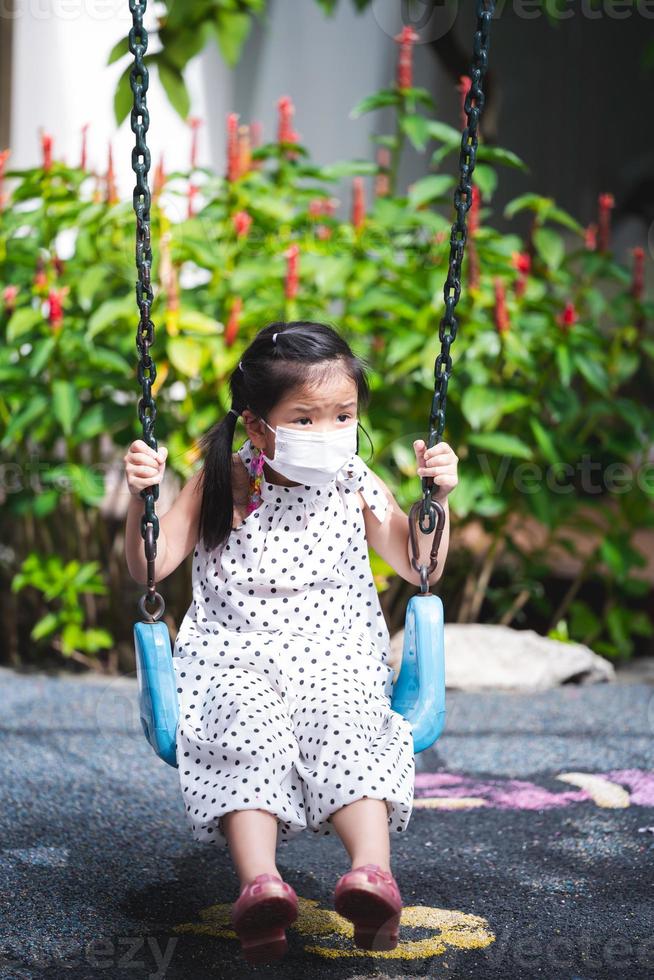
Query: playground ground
[(530, 852)]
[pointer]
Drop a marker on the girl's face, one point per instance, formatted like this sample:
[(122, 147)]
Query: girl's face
[(332, 405)]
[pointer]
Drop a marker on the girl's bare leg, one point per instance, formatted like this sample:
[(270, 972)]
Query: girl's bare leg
[(363, 828), (252, 839)]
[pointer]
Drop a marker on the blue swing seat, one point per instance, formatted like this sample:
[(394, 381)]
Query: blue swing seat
[(418, 692)]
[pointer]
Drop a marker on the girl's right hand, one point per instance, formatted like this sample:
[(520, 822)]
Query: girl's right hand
[(143, 466)]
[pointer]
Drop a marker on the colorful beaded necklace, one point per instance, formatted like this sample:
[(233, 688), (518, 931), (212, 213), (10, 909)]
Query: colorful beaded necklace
[(256, 479)]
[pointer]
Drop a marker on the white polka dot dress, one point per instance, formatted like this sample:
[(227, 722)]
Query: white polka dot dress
[(282, 665)]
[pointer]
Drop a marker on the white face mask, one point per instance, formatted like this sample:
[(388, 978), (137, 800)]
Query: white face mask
[(312, 458)]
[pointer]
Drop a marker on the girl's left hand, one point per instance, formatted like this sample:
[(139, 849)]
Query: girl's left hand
[(440, 462)]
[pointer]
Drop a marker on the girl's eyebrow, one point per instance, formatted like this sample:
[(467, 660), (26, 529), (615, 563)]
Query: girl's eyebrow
[(304, 408)]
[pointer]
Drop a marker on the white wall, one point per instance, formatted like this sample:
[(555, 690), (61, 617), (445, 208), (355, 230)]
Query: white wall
[(61, 80)]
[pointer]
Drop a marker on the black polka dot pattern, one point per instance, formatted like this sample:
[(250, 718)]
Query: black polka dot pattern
[(282, 666)]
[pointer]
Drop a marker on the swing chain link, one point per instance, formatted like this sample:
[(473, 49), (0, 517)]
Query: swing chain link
[(146, 370), (427, 509)]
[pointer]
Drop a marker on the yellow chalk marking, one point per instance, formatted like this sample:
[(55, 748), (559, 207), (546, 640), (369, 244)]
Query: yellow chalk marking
[(448, 802), (451, 929), (601, 790)]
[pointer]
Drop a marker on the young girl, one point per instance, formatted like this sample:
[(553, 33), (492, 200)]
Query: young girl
[(283, 655)]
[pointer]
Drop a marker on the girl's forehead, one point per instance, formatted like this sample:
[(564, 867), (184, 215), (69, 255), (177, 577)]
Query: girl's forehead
[(330, 391)]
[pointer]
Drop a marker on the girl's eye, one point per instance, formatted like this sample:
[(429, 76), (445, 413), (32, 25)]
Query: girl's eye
[(343, 415)]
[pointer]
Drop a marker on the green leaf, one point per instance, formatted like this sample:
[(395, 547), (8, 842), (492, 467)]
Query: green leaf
[(119, 49), (232, 30), (90, 283), (34, 408), (376, 101), (532, 202), (428, 188), (617, 620), (98, 418), (592, 371), (482, 405), (111, 311), (348, 168), (174, 86), (110, 361), (96, 639), (545, 441), (486, 180), (123, 99), (186, 355), (564, 363), (502, 443), (416, 129), (40, 355), (640, 624), (497, 154), (45, 626), (65, 404), (194, 321), (550, 247), (441, 131), (23, 321)]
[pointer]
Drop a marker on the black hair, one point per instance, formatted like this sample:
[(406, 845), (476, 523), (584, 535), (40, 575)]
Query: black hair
[(267, 372)]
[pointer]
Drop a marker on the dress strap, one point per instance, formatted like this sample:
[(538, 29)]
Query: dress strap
[(357, 476)]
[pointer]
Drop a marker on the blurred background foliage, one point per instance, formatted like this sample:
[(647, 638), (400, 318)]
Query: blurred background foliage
[(553, 363)]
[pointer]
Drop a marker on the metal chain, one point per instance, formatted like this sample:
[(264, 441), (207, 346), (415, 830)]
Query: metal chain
[(146, 371), (428, 508)]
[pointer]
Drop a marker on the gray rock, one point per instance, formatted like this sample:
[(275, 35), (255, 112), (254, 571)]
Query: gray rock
[(482, 657)]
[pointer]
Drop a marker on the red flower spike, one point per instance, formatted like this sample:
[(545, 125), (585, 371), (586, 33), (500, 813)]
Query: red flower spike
[(382, 180), (191, 193), (194, 122), (4, 156), (159, 178), (638, 276), (244, 150), (56, 308), (285, 131), (358, 202), (58, 264), (522, 262), (231, 331), (232, 147), (256, 139), (241, 221), (256, 134), (292, 255), (111, 196), (40, 280), (464, 86), (569, 316), (473, 213), (501, 312), (46, 150), (9, 294), (82, 162), (606, 202), (590, 237), (406, 39)]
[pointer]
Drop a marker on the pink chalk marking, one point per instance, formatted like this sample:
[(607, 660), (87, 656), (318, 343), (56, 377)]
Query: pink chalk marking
[(639, 783), (519, 794)]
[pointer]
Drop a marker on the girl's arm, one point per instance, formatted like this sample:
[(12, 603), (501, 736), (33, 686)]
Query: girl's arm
[(390, 539), (178, 533)]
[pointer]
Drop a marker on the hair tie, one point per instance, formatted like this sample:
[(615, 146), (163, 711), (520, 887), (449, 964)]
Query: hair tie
[(235, 412), (274, 338), (240, 364)]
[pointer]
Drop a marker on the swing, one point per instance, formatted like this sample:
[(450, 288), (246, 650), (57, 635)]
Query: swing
[(419, 690)]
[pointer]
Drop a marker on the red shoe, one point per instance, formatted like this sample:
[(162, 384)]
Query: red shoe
[(260, 915), (369, 897)]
